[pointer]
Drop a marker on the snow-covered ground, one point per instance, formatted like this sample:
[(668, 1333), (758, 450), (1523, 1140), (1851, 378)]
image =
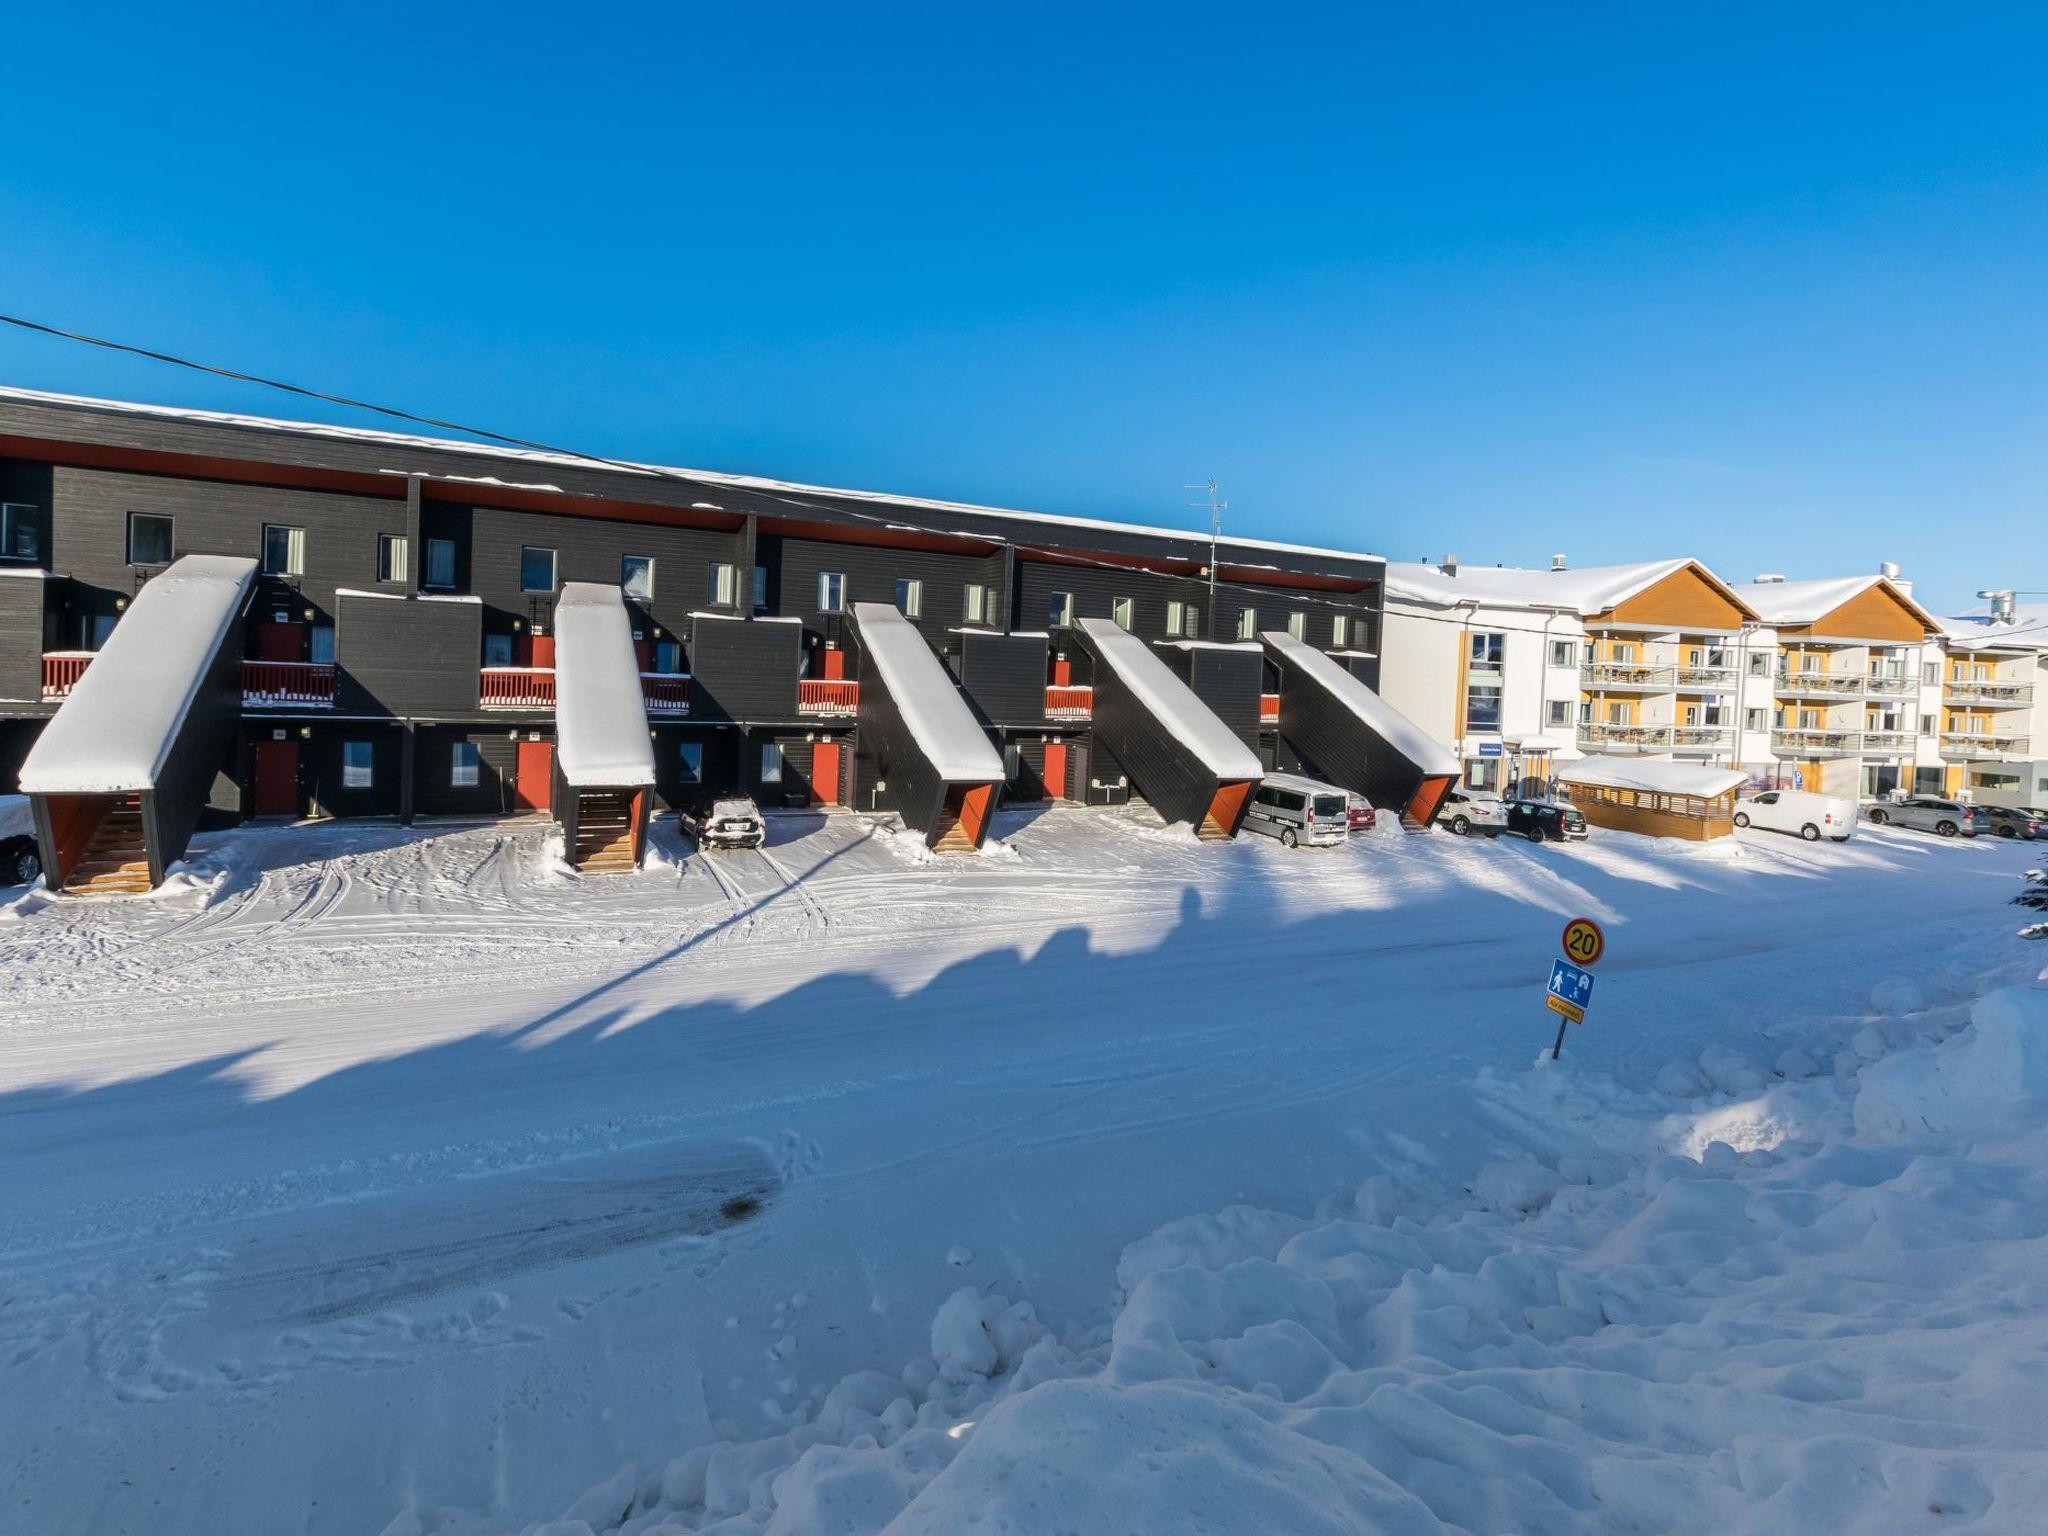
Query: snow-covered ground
[(379, 1178)]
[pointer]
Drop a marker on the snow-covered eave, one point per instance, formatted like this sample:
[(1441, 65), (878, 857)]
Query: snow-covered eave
[(926, 697), (34, 571), (1207, 645), (601, 739), (402, 597)]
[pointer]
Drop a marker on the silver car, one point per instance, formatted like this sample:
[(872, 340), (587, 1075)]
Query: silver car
[(1930, 813), (1299, 810)]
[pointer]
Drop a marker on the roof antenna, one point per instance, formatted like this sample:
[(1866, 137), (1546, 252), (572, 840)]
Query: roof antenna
[(1216, 505)]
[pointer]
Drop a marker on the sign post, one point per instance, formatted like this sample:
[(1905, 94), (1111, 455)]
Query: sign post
[(1570, 992)]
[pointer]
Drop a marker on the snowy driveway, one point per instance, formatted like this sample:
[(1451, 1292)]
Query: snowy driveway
[(425, 1177)]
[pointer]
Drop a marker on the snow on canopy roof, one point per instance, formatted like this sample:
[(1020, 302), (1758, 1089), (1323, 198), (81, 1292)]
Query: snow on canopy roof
[(1428, 755), (1585, 591), (708, 477), (1803, 602), (1171, 702), (600, 716), (1663, 778), (926, 696), (111, 735)]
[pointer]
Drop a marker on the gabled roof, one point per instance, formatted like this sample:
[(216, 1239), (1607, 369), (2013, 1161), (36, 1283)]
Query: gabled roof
[(1806, 602), (1586, 591)]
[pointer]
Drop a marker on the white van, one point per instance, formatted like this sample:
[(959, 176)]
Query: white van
[(1811, 816), (1298, 810)]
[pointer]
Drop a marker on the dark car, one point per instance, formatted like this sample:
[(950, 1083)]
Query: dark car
[(21, 862), (2029, 821), (1546, 821)]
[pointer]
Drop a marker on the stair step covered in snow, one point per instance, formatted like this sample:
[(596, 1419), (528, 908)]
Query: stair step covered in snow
[(1351, 736), (121, 774), (1186, 762), (923, 754), (604, 758)]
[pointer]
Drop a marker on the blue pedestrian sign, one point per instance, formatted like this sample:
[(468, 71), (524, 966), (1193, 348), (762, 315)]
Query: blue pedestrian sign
[(1489, 749), (1571, 990)]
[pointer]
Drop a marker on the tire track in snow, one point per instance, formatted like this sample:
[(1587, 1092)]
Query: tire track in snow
[(796, 883)]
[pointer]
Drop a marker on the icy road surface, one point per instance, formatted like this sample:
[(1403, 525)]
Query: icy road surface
[(383, 1169)]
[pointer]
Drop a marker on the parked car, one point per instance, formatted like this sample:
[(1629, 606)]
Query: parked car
[(1359, 815), (1546, 821), (1298, 810), (1930, 813), (724, 821), (21, 862), (1465, 813), (1810, 815), (2027, 821)]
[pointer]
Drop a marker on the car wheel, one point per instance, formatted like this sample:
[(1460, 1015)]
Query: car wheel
[(1875, 817), (28, 867), (1462, 825), (1535, 834), (1944, 829), (1810, 832), (1287, 838), (1742, 818), (2005, 832)]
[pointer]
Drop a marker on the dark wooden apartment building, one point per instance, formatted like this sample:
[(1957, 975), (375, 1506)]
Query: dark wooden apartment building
[(395, 652)]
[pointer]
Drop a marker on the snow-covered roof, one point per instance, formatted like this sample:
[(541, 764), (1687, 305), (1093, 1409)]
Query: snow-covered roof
[(1803, 602), (1207, 645), (1585, 591), (1652, 776), (1170, 700), (600, 716), (926, 696), (1978, 631), (1430, 756), (112, 733), (405, 440)]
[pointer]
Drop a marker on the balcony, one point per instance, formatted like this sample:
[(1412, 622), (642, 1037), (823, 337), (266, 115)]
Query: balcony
[(1707, 679), (1628, 674), (1070, 703), (665, 693), (1600, 736), (829, 696), (1886, 743), (1987, 694), (61, 671), (516, 687), (1703, 738), (1888, 686), (1269, 709), (304, 683), (1817, 741), (1839, 685), (1983, 744)]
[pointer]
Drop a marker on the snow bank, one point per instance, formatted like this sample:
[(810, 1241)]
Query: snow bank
[(1172, 702), (926, 696), (112, 734), (600, 715), (1388, 723), (1983, 1079)]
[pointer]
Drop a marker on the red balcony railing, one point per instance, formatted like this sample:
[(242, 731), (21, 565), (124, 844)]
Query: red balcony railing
[(827, 696), (666, 693), (61, 670), (1069, 703), (516, 687), (1269, 709), (287, 682)]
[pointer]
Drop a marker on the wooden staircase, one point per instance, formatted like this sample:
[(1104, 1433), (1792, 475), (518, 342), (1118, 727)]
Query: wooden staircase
[(1211, 830), (604, 832), (115, 860), (952, 836)]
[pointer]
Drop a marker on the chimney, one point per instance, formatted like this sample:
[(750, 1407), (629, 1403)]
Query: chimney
[(1769, 578), (1448, 565), (1888, 569), (1557, 562)]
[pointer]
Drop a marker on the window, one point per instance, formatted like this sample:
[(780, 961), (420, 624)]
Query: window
[(1297, 624), (1486, 652), (391, 560), (636, 577), (771, 763), (94, 628), (149, 539), (1564, 653), (1482, 774), (721, 584), (831, 592), (284, 550), (978, 604), (1482, 707), (1560, 712), (21, 531), (1340, 631), (1122, 610), (1059, 609), (321, 645), (909, 596), (1809, 720), (1755, 720), (1931, 673), (536, 569), (1248, 624), (1183, 620), (497, 650), (440, 562), (690, 762), (668, 656), (357, 759), (760, 589), (462, 765), (1759, 663), (1623, 651)]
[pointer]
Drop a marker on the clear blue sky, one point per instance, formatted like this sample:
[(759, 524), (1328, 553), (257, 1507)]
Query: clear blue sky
[(1767, 284)]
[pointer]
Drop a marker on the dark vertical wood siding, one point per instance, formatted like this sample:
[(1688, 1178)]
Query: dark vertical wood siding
[(321, 768), (22, 602), (871, 574), (1002, 676), (201, 751), (744, 670), (497, 770), (1332, 743), (1228, 681), (411, 657)]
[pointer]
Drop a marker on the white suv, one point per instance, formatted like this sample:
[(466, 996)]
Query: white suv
[(1465, 813)]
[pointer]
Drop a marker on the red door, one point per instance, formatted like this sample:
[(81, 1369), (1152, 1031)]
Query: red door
[(834, 663), (1062, 672), (532, 786), (280, 642), (1055, 774), (825, 773), (277, 778), (543, 651)]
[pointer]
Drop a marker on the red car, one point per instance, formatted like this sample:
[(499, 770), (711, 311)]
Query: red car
[(1358, 815)]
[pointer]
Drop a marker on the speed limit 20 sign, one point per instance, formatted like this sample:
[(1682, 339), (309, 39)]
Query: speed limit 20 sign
[(1584, 943)]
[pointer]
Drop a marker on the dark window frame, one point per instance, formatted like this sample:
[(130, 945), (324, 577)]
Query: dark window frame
[(170, 525)]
